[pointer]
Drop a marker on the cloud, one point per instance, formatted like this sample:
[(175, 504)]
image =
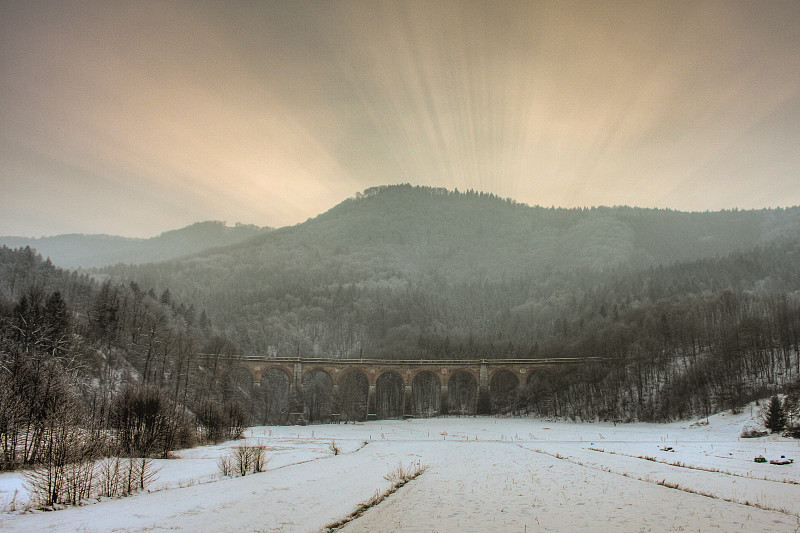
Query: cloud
[(270, 113)]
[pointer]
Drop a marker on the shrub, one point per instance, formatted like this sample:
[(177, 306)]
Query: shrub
[(237, 418), (402, 474), (225, 465), (752, 433), (259, 458), (335, 448), (243, 460), (212, 422), (140, 416)]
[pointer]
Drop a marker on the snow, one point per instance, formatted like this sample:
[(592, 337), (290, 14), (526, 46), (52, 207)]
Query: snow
[(483, 474)]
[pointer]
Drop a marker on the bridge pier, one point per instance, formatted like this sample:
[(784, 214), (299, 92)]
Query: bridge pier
[(484, 405), (298, 376), (296, 394), (372, 411)]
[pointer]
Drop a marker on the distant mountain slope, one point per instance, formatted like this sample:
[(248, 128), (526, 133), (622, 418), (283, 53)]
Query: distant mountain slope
[(88, 251)]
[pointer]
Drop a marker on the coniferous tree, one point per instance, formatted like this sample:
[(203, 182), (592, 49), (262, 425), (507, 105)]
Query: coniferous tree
[(57, 320), (775, 419)]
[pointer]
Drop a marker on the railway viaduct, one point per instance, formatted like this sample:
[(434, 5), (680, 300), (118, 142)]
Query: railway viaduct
[(362, 389)]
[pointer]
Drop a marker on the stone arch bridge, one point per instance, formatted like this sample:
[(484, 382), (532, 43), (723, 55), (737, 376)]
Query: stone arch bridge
[(322, 389)]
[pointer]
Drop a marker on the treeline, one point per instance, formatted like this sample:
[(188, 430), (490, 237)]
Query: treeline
[(678, 358), (90, 371), (433, 318)]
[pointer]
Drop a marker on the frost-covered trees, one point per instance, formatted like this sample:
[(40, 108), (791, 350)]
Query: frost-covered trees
[(65, 340)]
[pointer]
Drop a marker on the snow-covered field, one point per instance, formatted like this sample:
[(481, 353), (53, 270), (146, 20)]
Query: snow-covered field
[(483, 474)]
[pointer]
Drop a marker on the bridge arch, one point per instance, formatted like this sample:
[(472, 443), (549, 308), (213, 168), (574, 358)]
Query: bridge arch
[(389, 395), (462, 393), (237, 383), (539, 390), (353, 394), (275, 393), (317, 396), (521, 374), (503, 389), (426, 392)]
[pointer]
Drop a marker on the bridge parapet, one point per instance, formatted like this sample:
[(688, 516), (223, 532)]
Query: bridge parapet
[(390, 362)]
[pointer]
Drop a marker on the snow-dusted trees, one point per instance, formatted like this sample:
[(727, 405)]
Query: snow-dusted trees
[(36, 403), (65, 341), (40, 322), (146, 421)]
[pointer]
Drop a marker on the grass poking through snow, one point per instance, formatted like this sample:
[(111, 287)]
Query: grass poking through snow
[(398, 477)]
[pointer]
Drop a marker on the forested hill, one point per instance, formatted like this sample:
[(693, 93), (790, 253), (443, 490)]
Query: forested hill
[(470, 236), (398, 269), (78, 250), (420, 232)]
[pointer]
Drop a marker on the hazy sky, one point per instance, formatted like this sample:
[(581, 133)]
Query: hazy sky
[(134, 118)]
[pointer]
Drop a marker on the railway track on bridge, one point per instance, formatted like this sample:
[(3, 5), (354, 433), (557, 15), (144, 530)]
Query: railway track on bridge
[(409, 362)]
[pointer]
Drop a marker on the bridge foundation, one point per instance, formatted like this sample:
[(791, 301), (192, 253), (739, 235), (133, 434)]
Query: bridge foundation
[(372, 412)]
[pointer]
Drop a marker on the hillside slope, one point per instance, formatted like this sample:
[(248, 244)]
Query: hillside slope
[(434, 260), (420, 232), (89, 251)]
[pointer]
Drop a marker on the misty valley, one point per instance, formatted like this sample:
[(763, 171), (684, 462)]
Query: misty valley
[(402, 328)]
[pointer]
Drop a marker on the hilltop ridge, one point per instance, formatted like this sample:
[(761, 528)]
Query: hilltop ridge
[(422, 231)]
